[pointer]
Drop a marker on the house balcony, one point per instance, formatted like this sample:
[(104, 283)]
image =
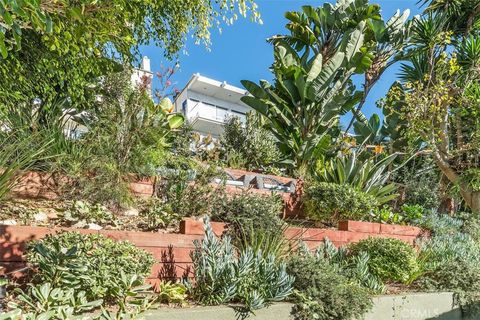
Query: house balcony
[(209, 118)]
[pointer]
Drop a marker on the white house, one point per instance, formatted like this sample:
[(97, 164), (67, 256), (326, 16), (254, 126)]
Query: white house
[(207, 103)]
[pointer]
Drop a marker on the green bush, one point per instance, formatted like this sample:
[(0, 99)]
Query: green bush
[(223, 275), (91, 263), (452, 263), (247, 209), (354, 268), (390, 259), (330, 203), (248, 146), (323, 293)]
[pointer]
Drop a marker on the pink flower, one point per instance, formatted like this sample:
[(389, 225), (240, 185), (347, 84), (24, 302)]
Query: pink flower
[(168, 83)]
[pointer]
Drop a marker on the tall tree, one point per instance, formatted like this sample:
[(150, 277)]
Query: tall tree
[(53, 50), (443, 91), (313, 67), (116, 26)]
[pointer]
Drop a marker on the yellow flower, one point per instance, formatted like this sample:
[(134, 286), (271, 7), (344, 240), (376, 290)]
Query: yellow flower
[(378, 149)]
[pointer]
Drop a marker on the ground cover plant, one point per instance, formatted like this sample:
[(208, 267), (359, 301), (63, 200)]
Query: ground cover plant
[(224, 275)]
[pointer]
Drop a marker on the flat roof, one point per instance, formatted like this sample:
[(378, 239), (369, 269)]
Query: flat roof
[(214, 88)]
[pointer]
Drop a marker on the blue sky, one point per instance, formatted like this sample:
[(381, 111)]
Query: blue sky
[(241, 52)]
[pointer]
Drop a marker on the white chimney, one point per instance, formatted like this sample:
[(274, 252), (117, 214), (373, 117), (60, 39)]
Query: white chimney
[(145, 66)]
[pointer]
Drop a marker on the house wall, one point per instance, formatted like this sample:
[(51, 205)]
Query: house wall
[(207, 110)]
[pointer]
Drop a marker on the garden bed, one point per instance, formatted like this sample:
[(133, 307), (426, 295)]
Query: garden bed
[(172, 250)]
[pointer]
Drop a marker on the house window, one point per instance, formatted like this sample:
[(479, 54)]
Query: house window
[(184, 106), (242, 116), (222, 113)]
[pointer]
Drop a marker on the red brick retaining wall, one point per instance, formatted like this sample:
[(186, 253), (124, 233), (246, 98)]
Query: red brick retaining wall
[(45, 185), (172, 251)]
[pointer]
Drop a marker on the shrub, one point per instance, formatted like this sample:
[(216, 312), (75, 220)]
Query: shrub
[(390, 259), (323, 293), (452, 263), (248, 145), (223, 275), (188, 192), (329, 202), (246, 210), (91, 263), (265, 242), (356, 268)]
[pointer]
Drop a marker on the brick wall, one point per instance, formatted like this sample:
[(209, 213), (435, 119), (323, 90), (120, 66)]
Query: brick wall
[(48, 186), (172, 251)]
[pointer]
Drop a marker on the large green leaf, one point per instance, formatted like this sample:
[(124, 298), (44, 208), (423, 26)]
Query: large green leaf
[(315, 68), (329, 71), (355, 41), (176, 121)]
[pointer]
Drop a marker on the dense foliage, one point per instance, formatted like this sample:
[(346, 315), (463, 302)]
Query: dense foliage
[(390, 259), (313, 66), (248, 145), (67, 106), (91, 263), (223, 275), (91, 26), (330, 203), (440, 91), (323, 293), (77, 273)]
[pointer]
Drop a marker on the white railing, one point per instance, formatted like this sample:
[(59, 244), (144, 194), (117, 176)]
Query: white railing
[(206, 111)]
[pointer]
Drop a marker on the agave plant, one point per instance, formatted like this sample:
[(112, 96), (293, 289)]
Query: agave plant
[(370, 176)]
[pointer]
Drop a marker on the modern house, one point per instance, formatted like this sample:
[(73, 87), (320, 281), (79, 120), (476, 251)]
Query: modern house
[(207, 103)]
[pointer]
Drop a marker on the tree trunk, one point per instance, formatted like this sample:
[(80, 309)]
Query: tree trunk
[(471, 197)]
